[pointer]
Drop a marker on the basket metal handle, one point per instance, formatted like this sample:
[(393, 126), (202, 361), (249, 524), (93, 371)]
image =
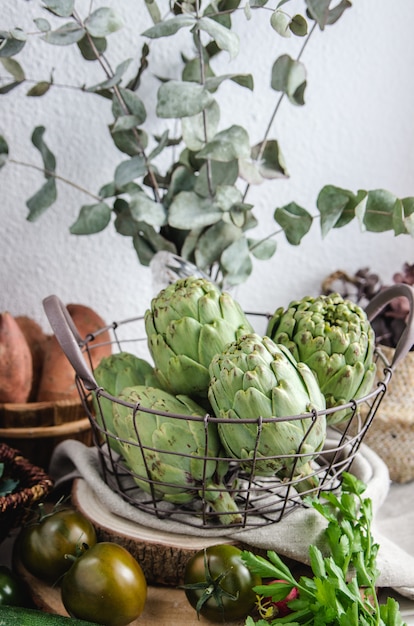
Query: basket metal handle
[(69, 339), (384, 297)]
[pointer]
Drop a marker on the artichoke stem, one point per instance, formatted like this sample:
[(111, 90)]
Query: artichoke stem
[(222, 502), (307, 479)]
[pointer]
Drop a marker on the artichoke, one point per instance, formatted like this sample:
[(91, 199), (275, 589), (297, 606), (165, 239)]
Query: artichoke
[(113, 374), (253, 377), (334, 337), (169, 460), (188, 323)]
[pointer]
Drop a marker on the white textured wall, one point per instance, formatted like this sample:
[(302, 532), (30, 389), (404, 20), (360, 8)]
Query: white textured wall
[(356, 131)]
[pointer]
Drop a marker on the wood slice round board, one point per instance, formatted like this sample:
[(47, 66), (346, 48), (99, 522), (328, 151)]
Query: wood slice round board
[(165, 606), (162, 556)]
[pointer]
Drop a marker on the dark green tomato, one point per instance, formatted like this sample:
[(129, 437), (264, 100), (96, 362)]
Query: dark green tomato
[(12, 590), (226, 591), (105, 585), (43, 546)]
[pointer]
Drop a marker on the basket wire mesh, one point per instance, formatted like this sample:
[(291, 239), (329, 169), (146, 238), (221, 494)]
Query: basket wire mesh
[(260, 499)]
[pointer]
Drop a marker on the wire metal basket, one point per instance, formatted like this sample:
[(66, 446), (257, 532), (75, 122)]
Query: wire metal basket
[(260, 500)]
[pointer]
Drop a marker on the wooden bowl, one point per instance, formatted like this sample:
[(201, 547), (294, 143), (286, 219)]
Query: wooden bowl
[(35, 428)]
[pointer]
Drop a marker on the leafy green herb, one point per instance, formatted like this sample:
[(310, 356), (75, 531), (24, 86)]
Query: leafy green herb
[(7, 485), (342, 591)]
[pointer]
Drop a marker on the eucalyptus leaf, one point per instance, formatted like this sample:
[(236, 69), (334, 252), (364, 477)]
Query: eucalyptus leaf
[(249, 171), (125, 122), (177, 99), (182, 179), (148, 241), (289, 76), (239, 213), (4, 151), (244, 80), (201, 128), (193, 72), (9, 87), (189, 210), (65, 35), (39, 89), (319, 10), (42, 24), (91, 48), (42, 200), (228, 145), (227, 196), (333, 204), (130, 142), (212, 243), (299, 26), (190, 242), (128, 171), (270, 160), (62, 8), (215, 174), (280, 22), (408, 214), (236, 262), (262, 249), (336, 12), (113, 80), (132, 102), (161, 145), (124, 222), (224, 38), (153, 10), (102, 22), (49, 160), (11, 42), (146, 210), (170, 27), (295, 221), (14, 68), (92, 218), (375, 212)]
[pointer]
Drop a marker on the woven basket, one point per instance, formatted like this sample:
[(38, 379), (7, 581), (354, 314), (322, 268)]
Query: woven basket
[(391, 434), (34, 485), (36, 428)]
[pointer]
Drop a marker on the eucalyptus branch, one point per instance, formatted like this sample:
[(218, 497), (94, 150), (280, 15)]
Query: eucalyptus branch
[(276, 109), (204, 114), (51, 174), (105, 65)]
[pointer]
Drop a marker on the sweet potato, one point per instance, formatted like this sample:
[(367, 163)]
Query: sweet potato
[(58, 376), (16, 368), (36, 339)]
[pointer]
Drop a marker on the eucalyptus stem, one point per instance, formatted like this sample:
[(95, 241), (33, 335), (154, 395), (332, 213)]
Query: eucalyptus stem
[(276, 109), (51, 174), (105, 65), (204, 115)]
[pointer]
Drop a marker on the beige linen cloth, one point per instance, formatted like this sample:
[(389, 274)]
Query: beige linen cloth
[(393, 526)]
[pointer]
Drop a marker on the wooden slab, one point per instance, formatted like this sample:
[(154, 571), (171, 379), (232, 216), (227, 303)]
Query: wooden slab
[(162, 556)]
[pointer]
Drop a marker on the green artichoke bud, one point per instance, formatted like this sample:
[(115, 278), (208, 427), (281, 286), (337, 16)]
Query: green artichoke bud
[(113, 374), (188, 323), (334, 337), (253, 377), (170, 458)]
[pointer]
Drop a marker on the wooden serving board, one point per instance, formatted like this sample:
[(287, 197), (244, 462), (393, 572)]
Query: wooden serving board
[(164, 606), (162, 556)]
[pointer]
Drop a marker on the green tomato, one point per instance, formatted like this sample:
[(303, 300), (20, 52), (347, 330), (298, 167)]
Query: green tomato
[(43, 546), (218, 584), (105, 585), (12, 589)]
